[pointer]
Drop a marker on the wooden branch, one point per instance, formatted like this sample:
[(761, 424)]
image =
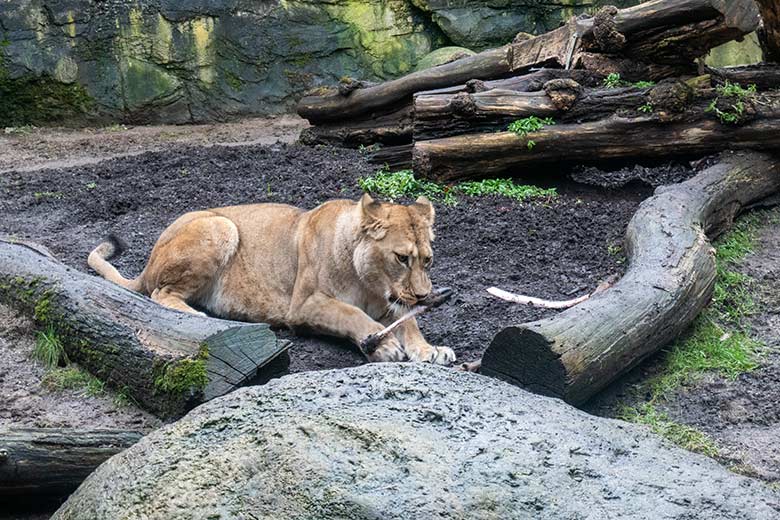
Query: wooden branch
[(536, 302), (47, 464), (390, 129), (167, 360), (670, 279), (672, 31), (769, 33), (685, 129)]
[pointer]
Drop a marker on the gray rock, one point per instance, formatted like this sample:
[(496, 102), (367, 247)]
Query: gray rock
[(441, 56), (400, 441), (481, 24)]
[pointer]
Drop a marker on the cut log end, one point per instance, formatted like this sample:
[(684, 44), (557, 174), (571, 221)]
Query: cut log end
[(525, 358)]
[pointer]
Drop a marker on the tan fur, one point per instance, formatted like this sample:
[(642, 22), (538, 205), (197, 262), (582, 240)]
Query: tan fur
[(335, 270)]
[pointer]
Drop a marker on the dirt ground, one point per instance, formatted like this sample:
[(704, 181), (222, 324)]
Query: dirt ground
[(29, 148)]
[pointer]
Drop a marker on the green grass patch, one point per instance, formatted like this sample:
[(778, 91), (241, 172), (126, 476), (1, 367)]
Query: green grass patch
[(74, 378), (736, 110), (527, 125), (395, 185), (682, 435), (48, 348)]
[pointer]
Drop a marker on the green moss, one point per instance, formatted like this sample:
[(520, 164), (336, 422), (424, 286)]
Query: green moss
[(234, 81), (682, 435), (184, 376)]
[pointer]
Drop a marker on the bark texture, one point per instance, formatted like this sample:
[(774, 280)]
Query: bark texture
[(50, 463)]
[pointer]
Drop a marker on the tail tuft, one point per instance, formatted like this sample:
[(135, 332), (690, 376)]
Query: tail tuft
[(116, 246)]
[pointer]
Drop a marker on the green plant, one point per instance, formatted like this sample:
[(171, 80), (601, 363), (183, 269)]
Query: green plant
[(646, 108), (504, 188), (530, 144), (736, 110), (48, 348), (395, 185), (19, 130), (91, 185), (644, 84), (115, 127), (525, 126), (41, 195), (613, 80)]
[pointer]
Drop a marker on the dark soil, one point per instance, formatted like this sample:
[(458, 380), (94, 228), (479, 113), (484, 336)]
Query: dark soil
[(556, 249)]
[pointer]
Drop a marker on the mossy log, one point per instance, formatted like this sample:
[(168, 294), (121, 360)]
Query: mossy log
[(166, 360), (48, 464), (670, 279), (683, 121), (769, 33), (667, 34)]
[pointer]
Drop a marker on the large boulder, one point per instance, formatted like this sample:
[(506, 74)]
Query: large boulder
[(178, 61), (399, 441)]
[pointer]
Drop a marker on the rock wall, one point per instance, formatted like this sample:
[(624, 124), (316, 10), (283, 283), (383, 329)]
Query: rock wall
[(401, 441), (201, 60)]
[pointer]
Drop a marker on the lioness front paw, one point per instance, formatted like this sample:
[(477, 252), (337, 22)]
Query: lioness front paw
[(389, 350), (431, 354)]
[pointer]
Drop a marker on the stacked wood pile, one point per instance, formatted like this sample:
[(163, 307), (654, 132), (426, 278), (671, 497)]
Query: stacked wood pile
[(450, 122)]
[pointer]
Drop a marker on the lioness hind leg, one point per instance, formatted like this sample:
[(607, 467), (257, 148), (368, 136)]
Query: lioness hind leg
[(188, 257)]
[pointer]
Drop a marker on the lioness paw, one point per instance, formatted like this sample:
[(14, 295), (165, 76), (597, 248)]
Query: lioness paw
[(430, 354), (389, 351), (443, 356)]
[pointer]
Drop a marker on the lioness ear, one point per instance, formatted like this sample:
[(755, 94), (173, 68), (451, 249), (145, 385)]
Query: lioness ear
[(372, 221), (425, 209)]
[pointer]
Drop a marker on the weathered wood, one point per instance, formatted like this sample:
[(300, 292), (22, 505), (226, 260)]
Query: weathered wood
[(47, 464), (769, 33), (442, 115), (167, 360), (764, 76), (390, 129), (670, 279), (665, 31), (664, 133)]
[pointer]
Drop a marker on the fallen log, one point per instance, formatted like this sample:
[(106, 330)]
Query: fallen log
[(48, 464), (682, 123), (166, 360), (443, 115), (670, 279), (763, 76), (390, 129), (769, 33), (671, 32)]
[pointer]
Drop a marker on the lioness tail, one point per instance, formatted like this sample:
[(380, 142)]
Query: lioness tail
[(111, 247)]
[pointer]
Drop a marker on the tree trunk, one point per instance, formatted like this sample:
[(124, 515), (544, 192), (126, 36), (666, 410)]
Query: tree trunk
[(47, 464), (670, 279), (168, 361), (390, 129), (671, 33), (681, 124), (769, 34)]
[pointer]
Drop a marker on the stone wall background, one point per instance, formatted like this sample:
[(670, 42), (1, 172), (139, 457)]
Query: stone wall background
[(178, 61)]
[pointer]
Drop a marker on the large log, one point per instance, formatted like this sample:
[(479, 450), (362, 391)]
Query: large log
[(442, 115), (763, 76), (685, 127), (669, 32), (166, 360), (769, 34), (670, 279), (47, 464)]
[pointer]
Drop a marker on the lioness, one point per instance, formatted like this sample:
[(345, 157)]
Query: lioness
[(344, 269)]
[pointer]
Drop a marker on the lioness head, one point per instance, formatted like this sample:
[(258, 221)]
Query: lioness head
[(394, 254)]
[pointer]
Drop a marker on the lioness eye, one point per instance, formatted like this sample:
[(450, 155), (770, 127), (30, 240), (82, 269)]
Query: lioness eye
[(403, 259)]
